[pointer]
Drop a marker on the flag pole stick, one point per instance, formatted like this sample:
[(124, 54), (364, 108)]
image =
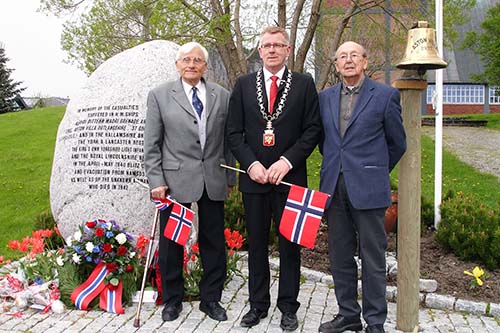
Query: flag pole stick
[(243, 171), (137, 321)]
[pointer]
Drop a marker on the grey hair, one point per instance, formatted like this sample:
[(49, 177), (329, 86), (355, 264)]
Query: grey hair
[(188, 47)]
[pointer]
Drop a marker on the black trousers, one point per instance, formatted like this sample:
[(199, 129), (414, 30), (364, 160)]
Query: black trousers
[(212, 251), (346, 226), (259, 210)]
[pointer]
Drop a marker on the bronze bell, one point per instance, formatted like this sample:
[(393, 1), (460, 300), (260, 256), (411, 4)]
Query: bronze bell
[(421, 51)]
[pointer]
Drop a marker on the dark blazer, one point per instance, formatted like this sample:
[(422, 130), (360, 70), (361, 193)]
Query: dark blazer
[(373, 143), (297, 130), (172, 150)]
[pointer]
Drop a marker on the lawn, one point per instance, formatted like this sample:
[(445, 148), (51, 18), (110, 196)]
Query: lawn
[(27, 142)]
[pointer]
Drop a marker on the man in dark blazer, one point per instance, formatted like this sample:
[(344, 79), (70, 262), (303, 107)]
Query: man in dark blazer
[(363, 140), (272, 141), (183, 148)]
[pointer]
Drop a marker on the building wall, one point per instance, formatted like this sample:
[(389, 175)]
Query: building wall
[(456, 109)]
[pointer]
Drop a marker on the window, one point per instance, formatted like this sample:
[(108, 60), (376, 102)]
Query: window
[(459, 94), (494, 95)]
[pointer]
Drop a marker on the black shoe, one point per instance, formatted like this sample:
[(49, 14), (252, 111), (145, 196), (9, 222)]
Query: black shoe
[(375, 329), (171, 312), (289, 321), (341, 324), (213, 310), (252, 317)]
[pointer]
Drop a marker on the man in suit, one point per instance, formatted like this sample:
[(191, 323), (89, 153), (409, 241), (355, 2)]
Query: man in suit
[(183, 148), (273, 126), (363, 140)]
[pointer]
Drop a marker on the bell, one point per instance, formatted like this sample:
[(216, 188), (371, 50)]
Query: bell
[(421, 51)]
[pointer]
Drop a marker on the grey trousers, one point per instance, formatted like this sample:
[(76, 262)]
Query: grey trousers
[(346, 227)]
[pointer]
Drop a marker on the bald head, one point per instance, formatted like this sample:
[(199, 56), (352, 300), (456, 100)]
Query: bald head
[(351, 62)]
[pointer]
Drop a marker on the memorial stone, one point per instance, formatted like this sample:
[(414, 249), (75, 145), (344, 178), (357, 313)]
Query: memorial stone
[(99, 146)]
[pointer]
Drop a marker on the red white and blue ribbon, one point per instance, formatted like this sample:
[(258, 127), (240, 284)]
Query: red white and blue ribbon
[(110, 299), (95, 285)]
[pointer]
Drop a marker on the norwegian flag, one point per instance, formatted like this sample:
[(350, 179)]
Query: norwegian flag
[(302, 215), (162, 204), (179, 224)]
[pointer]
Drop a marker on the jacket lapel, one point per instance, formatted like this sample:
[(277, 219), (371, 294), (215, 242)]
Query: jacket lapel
[(179, 95), (334, 100), (211, 98), (364, 97)]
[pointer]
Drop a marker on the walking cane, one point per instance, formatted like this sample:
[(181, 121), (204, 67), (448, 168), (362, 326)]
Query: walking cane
[(137, 321)]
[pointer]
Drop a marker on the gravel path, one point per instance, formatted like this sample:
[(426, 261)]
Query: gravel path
[(476, 146)]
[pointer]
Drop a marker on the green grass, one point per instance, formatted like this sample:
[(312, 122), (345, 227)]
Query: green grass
[(493, 119), (27, 140)]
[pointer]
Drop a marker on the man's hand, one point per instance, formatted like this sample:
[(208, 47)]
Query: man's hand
[(258, 173), (159, 192), (277, 171)]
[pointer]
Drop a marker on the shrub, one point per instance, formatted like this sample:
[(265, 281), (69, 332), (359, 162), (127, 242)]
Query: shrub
[(470, 230)]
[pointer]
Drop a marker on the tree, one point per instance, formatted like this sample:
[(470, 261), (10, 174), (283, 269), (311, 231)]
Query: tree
[(105, 28), (8, 88), (487, 45)]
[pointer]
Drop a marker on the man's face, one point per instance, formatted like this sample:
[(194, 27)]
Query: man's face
[(191, 66), (274, 51), (351, 62)]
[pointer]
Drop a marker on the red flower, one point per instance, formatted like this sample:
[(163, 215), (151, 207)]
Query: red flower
[(193, 257), (91, 224), (107, 247), (111, 266), (56, 230), (99, 232), (14, 244), (121, 250), (195, 248), (129, 268)]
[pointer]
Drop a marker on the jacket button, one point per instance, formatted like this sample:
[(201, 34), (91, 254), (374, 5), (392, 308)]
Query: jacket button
[(197, 141), (196, 122)]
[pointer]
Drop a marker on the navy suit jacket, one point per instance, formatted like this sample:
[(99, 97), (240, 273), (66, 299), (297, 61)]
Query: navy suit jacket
[(373, 143)]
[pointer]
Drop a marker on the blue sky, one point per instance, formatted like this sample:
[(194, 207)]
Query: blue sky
[(32, 43)]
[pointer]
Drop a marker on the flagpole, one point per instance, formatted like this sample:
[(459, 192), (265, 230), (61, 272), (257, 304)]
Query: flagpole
[(243, 171)]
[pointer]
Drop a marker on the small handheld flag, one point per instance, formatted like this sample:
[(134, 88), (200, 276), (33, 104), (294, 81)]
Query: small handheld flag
[(302, 215), (179, 224), (162, 204)]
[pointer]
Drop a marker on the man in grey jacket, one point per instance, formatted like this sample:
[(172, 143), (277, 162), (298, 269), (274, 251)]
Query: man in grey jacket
[(183, 149)]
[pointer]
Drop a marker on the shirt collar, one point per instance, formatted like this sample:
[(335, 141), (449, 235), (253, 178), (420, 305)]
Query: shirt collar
[(268, 74), (187, 87), (352, 90)]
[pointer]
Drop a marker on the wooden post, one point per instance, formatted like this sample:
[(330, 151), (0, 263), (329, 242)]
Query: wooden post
[(411, 87)]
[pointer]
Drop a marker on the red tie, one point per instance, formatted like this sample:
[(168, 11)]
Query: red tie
[(273, 92)]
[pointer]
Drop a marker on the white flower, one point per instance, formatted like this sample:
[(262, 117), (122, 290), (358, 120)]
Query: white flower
[(69, 240), (60, 261), (89, 247), (78, 235), (121, 238), (109, 225), (76, 258), (131, 254)]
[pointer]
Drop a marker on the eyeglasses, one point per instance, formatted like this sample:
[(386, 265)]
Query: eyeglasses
[(196, 61), (267, 46), (354, 57)]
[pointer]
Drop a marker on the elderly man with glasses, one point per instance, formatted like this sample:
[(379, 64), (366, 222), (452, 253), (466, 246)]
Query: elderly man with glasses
[(183, 148)]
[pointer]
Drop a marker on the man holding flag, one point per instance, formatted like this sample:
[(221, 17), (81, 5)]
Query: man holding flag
[(183, 148), (273, 126)]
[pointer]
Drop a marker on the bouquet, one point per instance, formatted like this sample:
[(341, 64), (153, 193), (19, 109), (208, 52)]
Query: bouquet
[(100, 246)]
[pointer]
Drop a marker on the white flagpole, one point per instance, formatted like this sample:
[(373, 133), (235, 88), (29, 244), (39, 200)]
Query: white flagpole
[(438, 163)]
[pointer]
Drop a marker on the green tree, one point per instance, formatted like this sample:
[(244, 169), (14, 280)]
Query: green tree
[(487, 45), (105, 28), (8, 88)]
